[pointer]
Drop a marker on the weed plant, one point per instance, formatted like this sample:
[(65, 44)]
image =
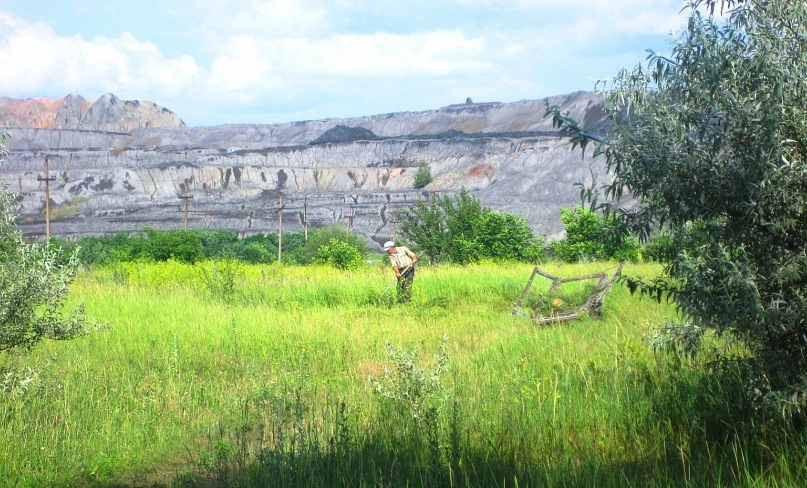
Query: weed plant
[(266, 384)]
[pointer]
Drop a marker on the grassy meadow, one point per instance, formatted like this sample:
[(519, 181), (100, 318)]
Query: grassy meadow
[(220, 374)]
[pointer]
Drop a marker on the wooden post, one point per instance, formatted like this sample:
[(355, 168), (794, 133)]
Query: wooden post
[(186, 197), (349, 218), (47, 179), (305, 216), (280, 229), (394, 221)]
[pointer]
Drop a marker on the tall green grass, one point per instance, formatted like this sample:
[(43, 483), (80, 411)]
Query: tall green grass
[(222, 374)]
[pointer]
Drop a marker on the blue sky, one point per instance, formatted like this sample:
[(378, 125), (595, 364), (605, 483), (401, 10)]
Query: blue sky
[(266, 61)]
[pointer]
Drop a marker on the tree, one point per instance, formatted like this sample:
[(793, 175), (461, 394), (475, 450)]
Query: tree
[(712, 141), (339, 254), (504, 236), (33, 284), (460, 230), (307, 252), (588, 238), (423, 176)]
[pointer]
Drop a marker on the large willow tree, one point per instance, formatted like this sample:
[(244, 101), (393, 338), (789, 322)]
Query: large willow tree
[(712, 142)]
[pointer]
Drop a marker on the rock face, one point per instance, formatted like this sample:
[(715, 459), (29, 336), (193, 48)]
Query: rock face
[(358, 174), (108, 113)]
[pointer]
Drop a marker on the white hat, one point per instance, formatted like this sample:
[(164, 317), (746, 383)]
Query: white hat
[(388, 245)]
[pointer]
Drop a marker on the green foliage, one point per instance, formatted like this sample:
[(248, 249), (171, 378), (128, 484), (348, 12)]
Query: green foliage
[(423, 176), (220, 280), (339, 254), (216, 242), (257, 248), (101, 250), (460, 230), (660, 247), (588, 239), (712, 140), (506, 236), (416, 387), (180, 245), (317, 238), (34, 280)]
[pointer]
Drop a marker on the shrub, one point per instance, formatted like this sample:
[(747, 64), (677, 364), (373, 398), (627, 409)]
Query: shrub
[(588, 239), (215, 242), (34, 280), (181, 245), (461, 230), (339, 254), (423, 176), (306, 254)]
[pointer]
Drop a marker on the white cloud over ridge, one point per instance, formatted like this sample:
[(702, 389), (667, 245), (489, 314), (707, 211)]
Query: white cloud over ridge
[(257, 60), (35, 58)]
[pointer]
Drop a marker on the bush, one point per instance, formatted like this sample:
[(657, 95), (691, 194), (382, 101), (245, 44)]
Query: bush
[(588, 239), (307, 253), (215, 242), (506, 236), (257, 248), (461, 230), (423, 176), (180, 245), (34, 280), (339, 254)]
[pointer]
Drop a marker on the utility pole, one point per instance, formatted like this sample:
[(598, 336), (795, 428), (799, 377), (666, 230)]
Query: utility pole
[(305, 216), (349, 218), (186, 197), (47, 179), (280, 229), (394, 221)]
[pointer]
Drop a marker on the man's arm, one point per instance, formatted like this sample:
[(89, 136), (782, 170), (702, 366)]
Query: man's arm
[(412, 255)]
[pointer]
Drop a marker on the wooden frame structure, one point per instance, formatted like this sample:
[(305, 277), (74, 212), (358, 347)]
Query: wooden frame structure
[(592, 305)]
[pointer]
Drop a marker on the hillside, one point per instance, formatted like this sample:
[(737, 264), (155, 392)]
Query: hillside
[(108, 113), (358, 170)]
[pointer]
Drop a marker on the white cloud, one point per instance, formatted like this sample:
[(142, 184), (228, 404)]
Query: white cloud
[(328, 58), (35, 58), (259, 67), (264, 19), (606, 16), (383, 55), (244, 66)]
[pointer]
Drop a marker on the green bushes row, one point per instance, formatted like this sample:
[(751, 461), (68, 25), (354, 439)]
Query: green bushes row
[(459, 231), (331, 245), (588, 239)]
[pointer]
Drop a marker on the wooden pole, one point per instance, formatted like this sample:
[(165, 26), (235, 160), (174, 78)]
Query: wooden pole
[(47, 179), (186, 197), (394, 221), (305, 216), (280, 229), (349, 218)]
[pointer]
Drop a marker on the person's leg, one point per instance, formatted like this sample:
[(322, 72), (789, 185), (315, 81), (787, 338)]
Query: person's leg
[(401, 289), (405, 283)]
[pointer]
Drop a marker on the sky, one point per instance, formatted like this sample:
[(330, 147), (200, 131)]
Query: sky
[(218, 62)]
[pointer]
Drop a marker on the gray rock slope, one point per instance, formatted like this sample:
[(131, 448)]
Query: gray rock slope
[(108, 113), (506, 154)]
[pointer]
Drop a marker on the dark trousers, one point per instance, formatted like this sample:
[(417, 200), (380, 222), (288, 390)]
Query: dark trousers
[(405, 285)]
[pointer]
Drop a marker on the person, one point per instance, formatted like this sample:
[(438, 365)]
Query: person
[(403, 263)]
